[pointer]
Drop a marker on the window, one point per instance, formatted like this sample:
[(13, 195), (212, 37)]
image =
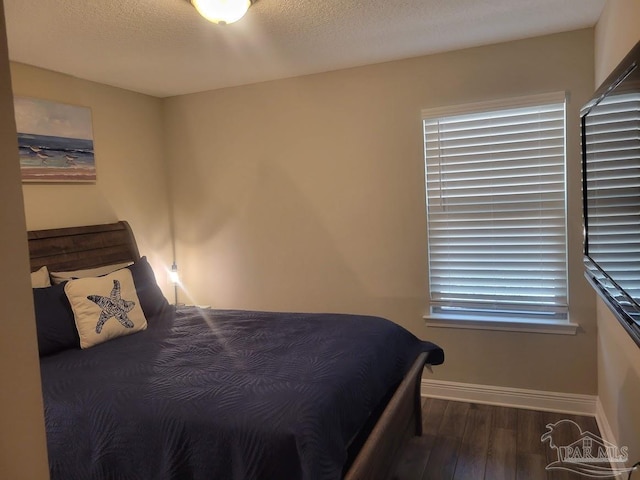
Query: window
[(611, 186), (612, 141), (496, 210)]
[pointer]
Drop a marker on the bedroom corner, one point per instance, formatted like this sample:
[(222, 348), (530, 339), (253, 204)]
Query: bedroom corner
[(618, 356), (129, 150)]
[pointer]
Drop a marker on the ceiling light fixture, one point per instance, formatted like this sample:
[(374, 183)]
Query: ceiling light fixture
[(222, 11)]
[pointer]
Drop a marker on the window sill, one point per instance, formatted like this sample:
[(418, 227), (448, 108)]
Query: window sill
[(507, 325)]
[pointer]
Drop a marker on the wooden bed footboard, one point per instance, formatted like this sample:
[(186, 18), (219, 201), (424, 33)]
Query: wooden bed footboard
[(401, 420)]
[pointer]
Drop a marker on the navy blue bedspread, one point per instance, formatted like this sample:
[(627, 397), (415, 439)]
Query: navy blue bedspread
[(222, 395)]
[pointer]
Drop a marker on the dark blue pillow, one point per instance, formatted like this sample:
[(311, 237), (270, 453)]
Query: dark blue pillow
[(55, 323), (54, 320), (151, 298)]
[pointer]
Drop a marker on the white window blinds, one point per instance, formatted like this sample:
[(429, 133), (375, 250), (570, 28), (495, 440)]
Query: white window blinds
[(496, 203), (613, 194)]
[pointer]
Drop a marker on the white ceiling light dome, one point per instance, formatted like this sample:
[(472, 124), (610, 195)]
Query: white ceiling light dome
[(222, 11)]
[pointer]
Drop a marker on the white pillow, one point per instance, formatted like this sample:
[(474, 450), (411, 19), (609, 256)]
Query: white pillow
[(59, 277), (40, 278), (105, 307)]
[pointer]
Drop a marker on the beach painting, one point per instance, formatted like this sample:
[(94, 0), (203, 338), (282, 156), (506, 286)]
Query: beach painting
[(55, 141)]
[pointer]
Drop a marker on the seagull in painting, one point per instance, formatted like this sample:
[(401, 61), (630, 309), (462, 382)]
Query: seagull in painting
[(113, 306), (71, 159), (44, 157), (35, 149)]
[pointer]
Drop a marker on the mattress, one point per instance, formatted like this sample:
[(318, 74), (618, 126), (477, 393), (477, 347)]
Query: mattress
[(222, 394)]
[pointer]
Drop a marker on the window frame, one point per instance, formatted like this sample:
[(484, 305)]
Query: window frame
[(509, 323)]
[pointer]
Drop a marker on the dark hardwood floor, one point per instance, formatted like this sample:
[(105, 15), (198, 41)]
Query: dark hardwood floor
[(465, 441)]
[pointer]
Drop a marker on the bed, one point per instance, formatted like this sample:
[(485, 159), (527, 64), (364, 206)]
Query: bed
[(215, 394)]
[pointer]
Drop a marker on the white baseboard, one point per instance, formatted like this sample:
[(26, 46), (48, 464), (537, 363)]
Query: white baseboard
[(607, 433), (571, 403), (603, 424)]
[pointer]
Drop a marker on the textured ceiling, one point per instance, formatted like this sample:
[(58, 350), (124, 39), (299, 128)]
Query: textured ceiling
[(164, 48)]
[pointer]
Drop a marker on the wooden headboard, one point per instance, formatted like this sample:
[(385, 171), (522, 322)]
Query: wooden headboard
[(75, 248)]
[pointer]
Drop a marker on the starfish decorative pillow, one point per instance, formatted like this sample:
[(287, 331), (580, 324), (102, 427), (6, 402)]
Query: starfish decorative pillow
[(105, 307)]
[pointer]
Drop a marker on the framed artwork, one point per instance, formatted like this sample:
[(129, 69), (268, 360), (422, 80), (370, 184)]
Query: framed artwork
[(55, 141)]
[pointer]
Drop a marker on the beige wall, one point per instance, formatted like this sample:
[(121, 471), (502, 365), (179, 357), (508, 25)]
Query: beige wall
[(617, 32), (130, 163), (308, 194), (618, 356), (23, 454)]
